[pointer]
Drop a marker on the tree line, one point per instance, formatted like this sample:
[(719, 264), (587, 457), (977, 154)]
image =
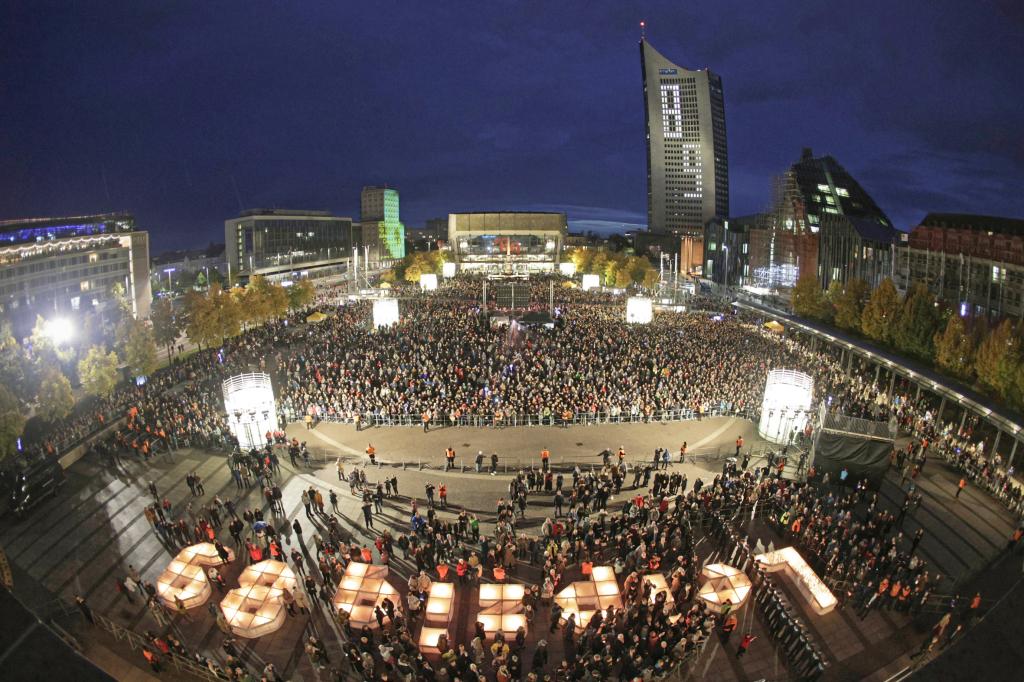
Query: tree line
[(34, 375), (615, 268), (972, 349)]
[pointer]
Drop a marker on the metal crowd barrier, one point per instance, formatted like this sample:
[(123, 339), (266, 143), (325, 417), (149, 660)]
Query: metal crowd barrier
[(538, 419)]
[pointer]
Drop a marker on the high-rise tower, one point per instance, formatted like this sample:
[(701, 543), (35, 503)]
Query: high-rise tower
[(687, 157)]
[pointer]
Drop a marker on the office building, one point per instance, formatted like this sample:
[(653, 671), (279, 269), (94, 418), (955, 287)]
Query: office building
[(189, 262), (972, 263), (821, 222), (687, 156), (282, 244), (379, 221), (726, 249), (70, 265), (510, 242)]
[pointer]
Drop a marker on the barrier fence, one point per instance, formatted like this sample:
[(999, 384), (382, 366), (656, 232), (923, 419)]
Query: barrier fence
[(137, 642), (499, 420)]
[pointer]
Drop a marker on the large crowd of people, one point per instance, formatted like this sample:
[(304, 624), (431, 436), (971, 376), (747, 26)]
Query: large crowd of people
[(445, 362)]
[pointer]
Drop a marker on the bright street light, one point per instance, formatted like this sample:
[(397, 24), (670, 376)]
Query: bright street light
[(59, 330)]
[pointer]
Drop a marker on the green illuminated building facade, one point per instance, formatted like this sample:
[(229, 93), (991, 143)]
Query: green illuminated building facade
[(380, 222)]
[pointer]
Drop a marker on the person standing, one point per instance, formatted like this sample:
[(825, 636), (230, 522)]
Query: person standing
[(960, 487), (85, 609), (739, 445), (545, 457), (745, 643), (368, 512)]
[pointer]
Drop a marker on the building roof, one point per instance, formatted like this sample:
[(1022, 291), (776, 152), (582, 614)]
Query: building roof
[(870, 229), (982, 223), (249, 213), (508, 212), (31, 223), (822, 177), (211, 251)]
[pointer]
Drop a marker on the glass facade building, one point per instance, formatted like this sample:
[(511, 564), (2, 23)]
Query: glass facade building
[(70, 265), (507, 242), (275, 243)]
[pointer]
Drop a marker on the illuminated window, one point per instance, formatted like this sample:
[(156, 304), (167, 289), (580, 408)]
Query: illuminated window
[(824, 188), (84, 285), (842, 192)]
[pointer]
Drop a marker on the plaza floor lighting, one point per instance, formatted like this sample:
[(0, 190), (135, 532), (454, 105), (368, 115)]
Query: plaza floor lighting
[(567, 269), (363, 587), (591, 282), (812, 588), (448, 270), (584, 598), (786, 404), (723, 583), (501, 607)]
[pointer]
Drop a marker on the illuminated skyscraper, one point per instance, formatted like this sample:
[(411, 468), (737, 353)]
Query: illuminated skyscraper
[(379, 220), (687, 157)]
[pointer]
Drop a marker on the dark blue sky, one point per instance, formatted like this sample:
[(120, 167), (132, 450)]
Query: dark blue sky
[(182, 111)]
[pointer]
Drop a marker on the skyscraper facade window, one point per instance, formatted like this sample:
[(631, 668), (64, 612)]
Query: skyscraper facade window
[(687, 154)]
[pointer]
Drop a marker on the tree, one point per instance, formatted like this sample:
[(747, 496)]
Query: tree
[(412, 273), (809, 300), (201, 322), (140, 354), (849, 305), (914, 332), (98, 371), (12, 423), (123, 315), (55, 397), (201, 280), (881, 312), (166, 326), (998, 358), (301, 294), (651, 278), (16, 369), (582, 258), (954, 348)]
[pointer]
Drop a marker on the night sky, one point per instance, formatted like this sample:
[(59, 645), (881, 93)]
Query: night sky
[(183, 112)]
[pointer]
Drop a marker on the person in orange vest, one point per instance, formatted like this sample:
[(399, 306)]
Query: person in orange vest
[(426, 420), (499, 574), (442, 572), (544, 457), (442, 491), (960, 487), (460, 570), (729, 626), (371, 452), (682, 453), (449, 455), (622, 454), (739, 444), (1015, 538)]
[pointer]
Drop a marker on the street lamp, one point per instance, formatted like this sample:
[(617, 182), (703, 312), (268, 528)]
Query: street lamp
[(725, 249), (170, 285), (59, 330)]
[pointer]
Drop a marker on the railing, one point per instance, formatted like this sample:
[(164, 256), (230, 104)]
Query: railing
[(137, 642), (498, 420)]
